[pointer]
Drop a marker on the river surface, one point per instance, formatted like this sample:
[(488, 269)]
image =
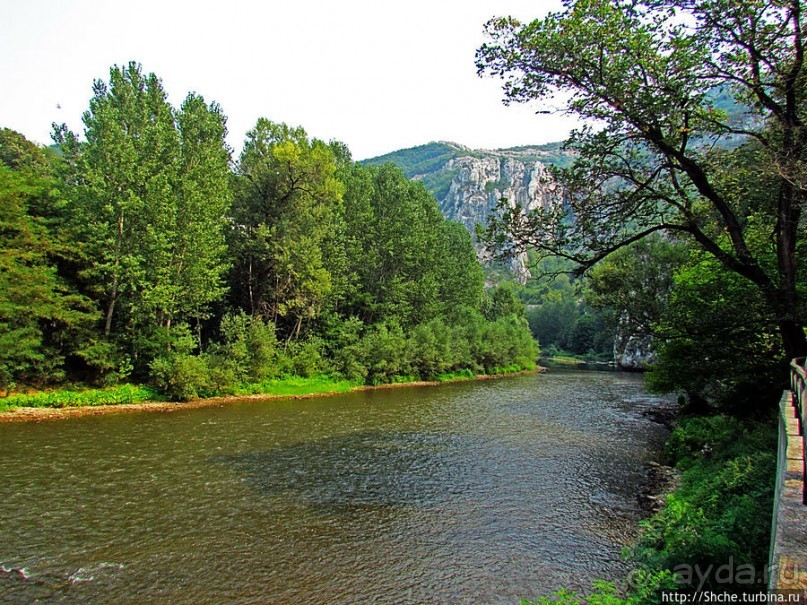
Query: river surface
[(477, 492)]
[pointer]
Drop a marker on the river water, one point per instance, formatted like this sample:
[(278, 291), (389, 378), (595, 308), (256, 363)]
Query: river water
[(478, 492)]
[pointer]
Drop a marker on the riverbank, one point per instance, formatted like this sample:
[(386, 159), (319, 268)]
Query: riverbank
[(39, 414)]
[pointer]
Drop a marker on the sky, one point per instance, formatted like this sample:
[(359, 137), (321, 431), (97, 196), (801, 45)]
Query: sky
[(377, 75)]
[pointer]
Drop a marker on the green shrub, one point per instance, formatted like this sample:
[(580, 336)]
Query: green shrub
[(110, 363), (644, 589), (507, 343), (721, 512), (121, 394), (430, 349), (303, 358), (247, 351), (384, 351), (182, 377)]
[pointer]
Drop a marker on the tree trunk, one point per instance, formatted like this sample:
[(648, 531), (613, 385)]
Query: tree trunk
[(113, 296), (110, 309), (793, 338)]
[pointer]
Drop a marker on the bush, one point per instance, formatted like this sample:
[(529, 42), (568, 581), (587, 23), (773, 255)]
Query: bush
[(430, 349), (109, 363), (182, 377), (385, 352), (248, 351), (508, 343), (721, 512), (303, 359), (645, 589)]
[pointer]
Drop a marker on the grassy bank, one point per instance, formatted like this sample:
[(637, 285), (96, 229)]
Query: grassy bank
[(292, 386), (76, 397)]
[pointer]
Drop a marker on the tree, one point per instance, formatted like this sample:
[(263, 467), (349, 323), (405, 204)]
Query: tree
[(285, 208), (41, 318), (504, 302), (717, 341), (634, 283), (405, 262), (648, 73), (199, 251), (149, 202), (125, 173), (461, 279)]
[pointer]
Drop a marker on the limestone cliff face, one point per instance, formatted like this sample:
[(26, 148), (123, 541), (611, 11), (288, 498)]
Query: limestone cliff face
[(634, 352), (479, 182), (468, 183)]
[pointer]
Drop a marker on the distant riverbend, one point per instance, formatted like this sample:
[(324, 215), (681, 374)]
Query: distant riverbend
[(473, 492)]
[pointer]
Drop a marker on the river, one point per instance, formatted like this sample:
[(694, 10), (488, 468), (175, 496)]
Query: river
[(476, 492)]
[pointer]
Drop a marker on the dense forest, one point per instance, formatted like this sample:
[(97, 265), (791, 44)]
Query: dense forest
[(141, 251)]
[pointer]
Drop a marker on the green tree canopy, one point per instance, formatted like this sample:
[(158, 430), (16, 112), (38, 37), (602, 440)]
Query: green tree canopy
[(646, 73), (286, 205), (149, 199), (41, 318)]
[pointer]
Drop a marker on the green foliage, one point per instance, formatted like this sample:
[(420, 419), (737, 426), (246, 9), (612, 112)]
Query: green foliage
[(295, 386), (419, 160), (106, 361), (403, 261), (439, 183), (303, 359), (464, 346), (286, 207), (635, 282), (385, 353), (120, 394), (148, 197), (492, 186), (182, 377), (646, 589), (718, 341), (503, 302), (42, 319), (560, 317), (721, 512), (248, 348)]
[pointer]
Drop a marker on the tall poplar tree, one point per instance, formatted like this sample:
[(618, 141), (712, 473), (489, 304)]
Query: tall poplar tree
[(149, 201)]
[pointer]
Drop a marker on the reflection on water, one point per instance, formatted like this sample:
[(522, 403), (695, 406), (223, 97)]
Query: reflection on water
[(466, 493)]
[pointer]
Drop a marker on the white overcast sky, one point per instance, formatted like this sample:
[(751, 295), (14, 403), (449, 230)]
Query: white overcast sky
[(374, 74)]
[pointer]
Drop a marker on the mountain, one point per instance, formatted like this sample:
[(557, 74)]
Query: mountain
[(468, 183)]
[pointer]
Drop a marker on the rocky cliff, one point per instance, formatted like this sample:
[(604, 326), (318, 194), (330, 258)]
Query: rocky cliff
[(468, 184)]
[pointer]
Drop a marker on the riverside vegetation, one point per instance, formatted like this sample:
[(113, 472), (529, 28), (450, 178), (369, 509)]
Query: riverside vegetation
[(150, 259), (141, 261), (684, 208)]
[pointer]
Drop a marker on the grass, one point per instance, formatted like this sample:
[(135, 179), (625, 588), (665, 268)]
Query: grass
[(297, 385), (452, 376), (124, 393), (280, 387)]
